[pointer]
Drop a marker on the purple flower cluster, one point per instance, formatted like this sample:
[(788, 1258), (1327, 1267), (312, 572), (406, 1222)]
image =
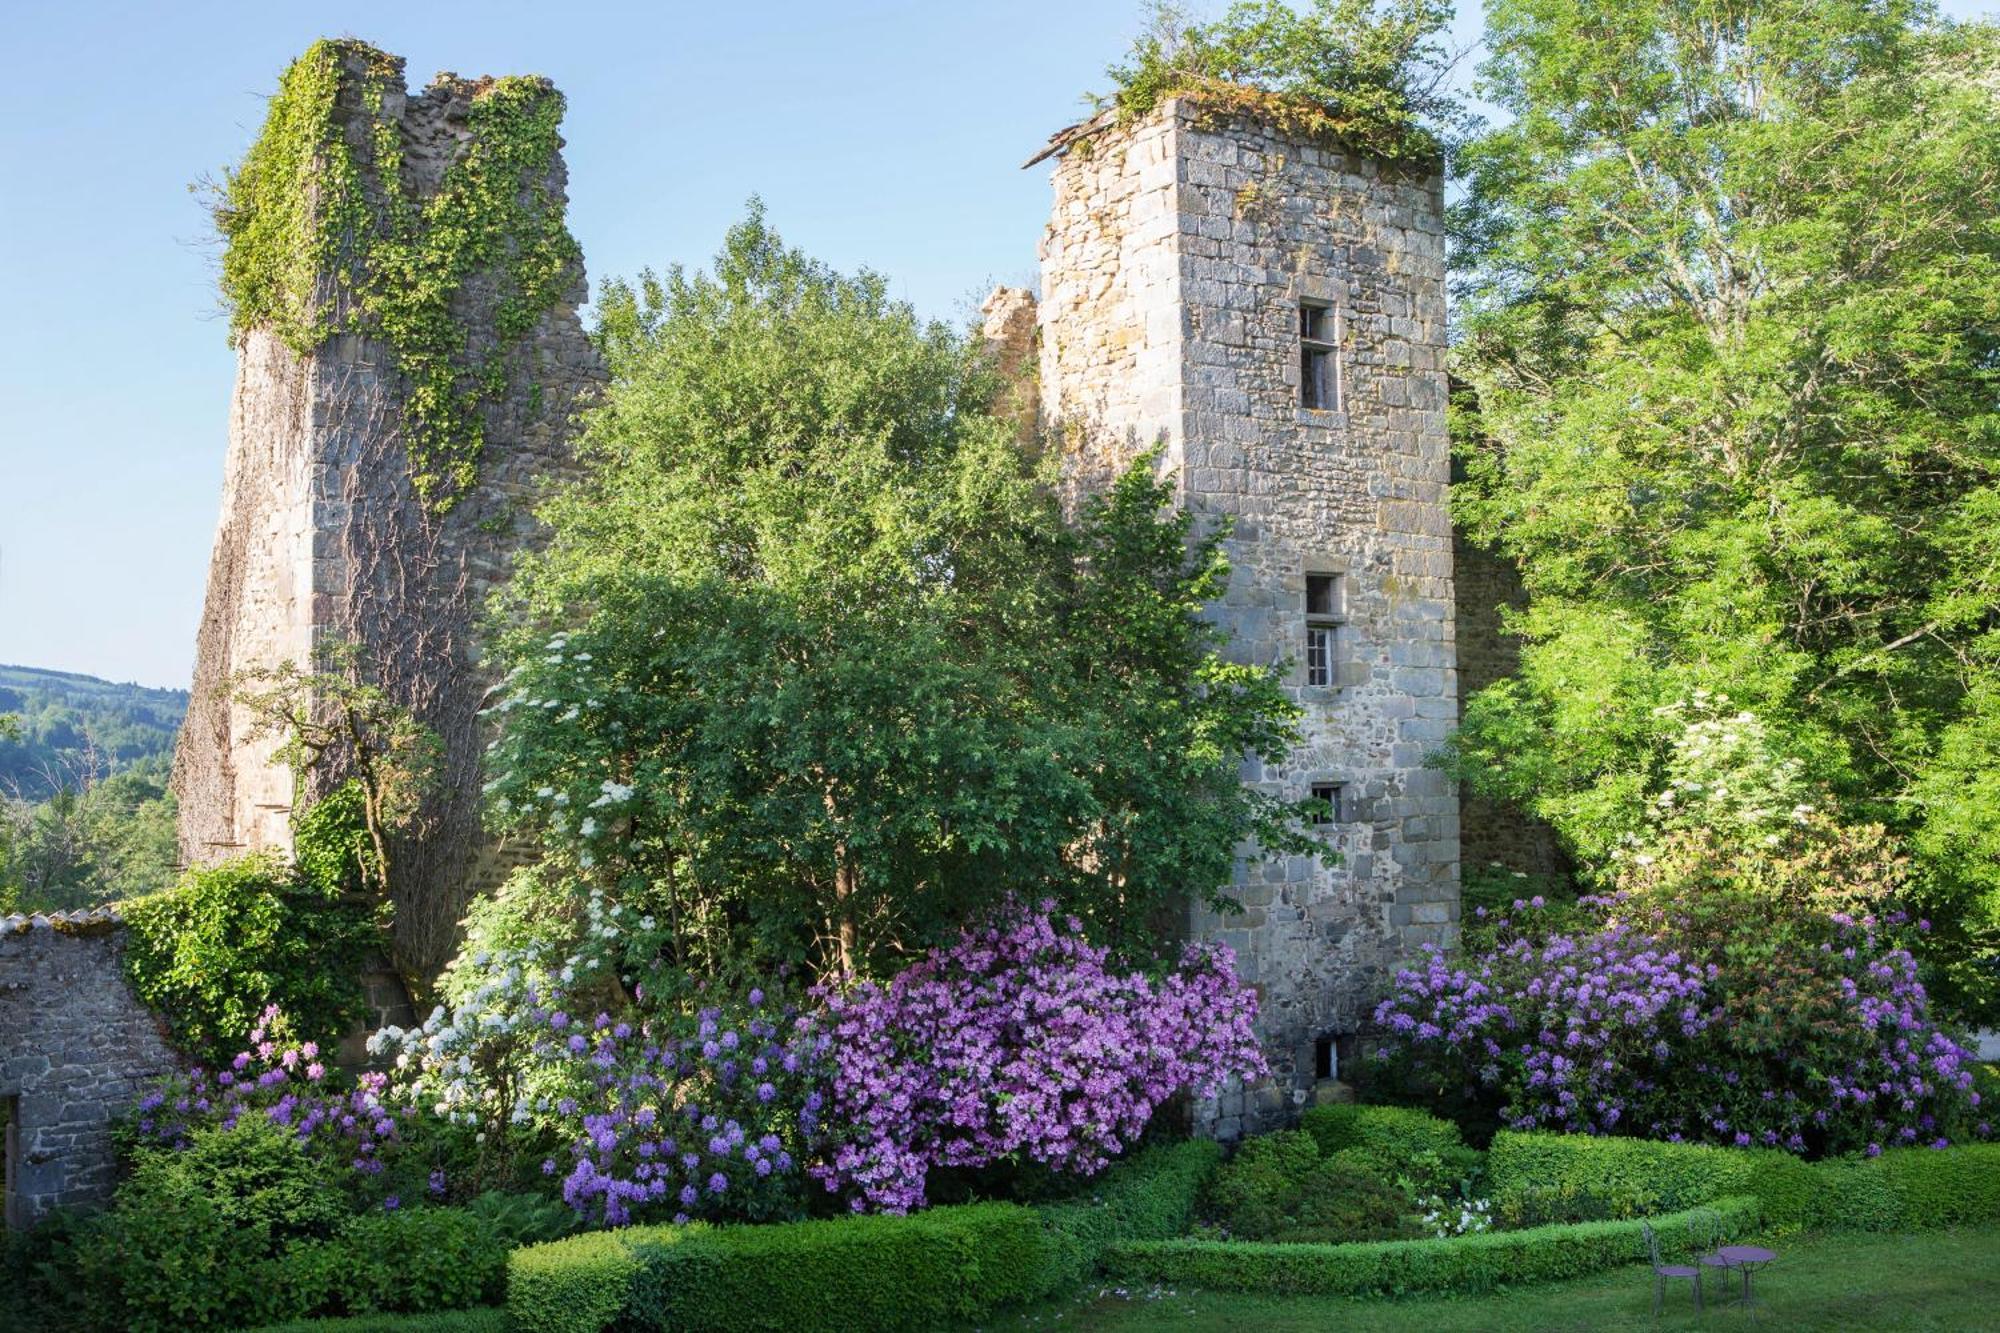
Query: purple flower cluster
[(1019, 1042), (286, 1083), (700, 1118), (1821, 1043)]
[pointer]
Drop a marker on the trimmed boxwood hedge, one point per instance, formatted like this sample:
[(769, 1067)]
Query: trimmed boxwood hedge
[(1149, 1196), (1393, 1133), (928, 1270), (481, 1319), (942, 1268), (1903, 1189), (1460, 1264)]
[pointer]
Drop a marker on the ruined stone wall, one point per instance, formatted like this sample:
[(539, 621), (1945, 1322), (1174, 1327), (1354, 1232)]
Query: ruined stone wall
[(1176, 258), (323, 534), (76, 1050)]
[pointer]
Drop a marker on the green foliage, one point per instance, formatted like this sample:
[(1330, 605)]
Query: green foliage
[(945, 1267), (1148, 1196), (1729, 323), (86, 844), (523, 1219), (1394, 1133), (1357, 72), (418, 1259), (484, 1319), (1903, 1189), (61, 730), (578, 1285), (1279, 1187), (196, 1239), (1457, 1265), (85, 814), (813, 666), (211, 953), (322, 235)]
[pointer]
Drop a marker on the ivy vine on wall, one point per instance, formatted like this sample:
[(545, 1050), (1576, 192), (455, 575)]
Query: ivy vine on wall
[(324, 234)]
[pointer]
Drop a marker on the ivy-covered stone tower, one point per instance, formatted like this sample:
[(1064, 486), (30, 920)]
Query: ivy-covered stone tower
[(1268, 309), (409, 356)]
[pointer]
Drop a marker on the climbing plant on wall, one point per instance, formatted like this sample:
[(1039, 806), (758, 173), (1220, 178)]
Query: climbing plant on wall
[(324, 234)]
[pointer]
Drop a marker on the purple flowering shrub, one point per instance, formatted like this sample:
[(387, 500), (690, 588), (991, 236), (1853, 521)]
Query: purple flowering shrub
[(285, 1082), (1726, 1017), (1018, 1042), (667, 1118)]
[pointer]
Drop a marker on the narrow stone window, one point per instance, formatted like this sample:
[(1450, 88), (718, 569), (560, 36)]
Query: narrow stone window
[(1326, 612), (1327, 808), (1325, 1062), (1319, 368)]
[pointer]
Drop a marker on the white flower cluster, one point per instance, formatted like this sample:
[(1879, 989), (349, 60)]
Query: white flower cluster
[(1456, 1217)]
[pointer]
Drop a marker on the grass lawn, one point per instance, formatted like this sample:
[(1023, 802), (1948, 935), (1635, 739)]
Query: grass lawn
[(1944, 1280)]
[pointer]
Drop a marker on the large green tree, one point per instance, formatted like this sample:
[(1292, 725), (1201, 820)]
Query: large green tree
[(814, 665), (1731, 318)]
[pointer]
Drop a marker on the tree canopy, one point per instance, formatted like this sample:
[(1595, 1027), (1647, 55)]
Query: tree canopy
[(815, 665), (1731, 317)]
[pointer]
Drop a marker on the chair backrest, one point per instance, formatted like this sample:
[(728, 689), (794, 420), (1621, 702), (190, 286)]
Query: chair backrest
[(1652, 1242)]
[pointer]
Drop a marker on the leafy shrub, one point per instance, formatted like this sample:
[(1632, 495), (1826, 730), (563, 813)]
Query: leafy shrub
[(1459, 1265), (419, 1260), (1422, 1153), (939, 1068), (945, 1267), (350, 1130), (1279, 1187), (195, 1237), (215, 950), (523, 1219)]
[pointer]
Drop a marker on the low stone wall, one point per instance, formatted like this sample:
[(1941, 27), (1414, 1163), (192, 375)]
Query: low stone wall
[(76, 1049)]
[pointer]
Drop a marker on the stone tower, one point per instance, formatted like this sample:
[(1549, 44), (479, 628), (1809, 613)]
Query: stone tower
[(1269, 311), (378, 479)]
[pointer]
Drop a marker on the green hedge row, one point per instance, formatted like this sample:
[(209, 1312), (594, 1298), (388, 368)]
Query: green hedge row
[(943, 1268), (483, 1319), (1904, 1189), (1460, 1264), (1149, 1196), (933, 1269)]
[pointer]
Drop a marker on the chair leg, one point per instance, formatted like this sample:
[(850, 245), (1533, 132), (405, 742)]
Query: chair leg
[(1697, 1290), (1659, 1293)]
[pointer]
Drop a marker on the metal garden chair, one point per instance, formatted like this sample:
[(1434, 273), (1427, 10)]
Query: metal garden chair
[(1664, 1271)]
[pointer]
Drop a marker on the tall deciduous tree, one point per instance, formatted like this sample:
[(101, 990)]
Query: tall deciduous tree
[(814, 660), (1733, 324)]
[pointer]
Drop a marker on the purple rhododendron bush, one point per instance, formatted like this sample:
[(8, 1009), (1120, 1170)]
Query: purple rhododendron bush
[(1021, 1041), (1716, 996)]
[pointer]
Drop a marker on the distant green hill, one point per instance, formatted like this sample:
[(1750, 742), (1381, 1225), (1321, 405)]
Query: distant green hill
[(76, 728)]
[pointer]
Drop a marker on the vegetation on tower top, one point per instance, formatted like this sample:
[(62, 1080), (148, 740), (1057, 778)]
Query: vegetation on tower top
[(326, 231), (1365, 73)]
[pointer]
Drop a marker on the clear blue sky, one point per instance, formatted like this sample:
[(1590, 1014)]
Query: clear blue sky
[(879, 134)]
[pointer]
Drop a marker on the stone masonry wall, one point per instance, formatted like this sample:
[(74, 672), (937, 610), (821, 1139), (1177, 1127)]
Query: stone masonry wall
[(1176, 258), (76, 1050), (323, 536)]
